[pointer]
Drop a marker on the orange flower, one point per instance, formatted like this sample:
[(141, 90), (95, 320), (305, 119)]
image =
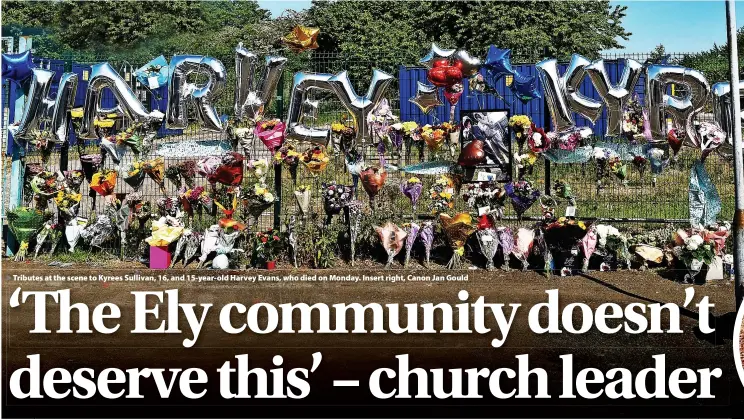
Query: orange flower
[(104, 182)]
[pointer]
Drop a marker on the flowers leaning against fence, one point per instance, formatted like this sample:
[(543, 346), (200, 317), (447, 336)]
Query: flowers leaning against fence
[(104, 181), (256, 200), (487, 198), (24, 222), (271, 133), (267, 246), (315, 160), (302, 194), (520, 125), (289, 157), (412, 189), (46, 184), (66, 201), (442, 194), (522, 196)]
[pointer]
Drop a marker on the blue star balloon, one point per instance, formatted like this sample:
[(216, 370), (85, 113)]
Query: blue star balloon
[(498, 63), (17, 67), (525, 87)]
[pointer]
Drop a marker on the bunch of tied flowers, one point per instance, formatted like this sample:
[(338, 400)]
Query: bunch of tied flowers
[(520, 126), (442, 194)]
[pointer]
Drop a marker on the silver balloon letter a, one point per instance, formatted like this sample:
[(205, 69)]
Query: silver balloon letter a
[(562, 92), (615, 95), (181, 92), (253, 96), (102, 76), (681, 108), (53, 113)]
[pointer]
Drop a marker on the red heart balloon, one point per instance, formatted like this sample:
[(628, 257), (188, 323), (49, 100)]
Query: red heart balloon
[(472, 154), (453, 94), (444, 76), (674, 142), (442, 62)]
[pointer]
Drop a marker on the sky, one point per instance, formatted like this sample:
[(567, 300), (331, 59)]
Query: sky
[(681, 26)]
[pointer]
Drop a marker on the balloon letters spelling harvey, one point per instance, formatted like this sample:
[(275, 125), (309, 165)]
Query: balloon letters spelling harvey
[(181, 92), (39, 108), (253, 96), (562, 92), (102, 76), (616, 96), (681, 108)]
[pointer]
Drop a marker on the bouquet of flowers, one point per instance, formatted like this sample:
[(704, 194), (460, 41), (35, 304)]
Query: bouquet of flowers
[(130, 138), (74, 179), (409, 133), (601, 158), (167, 206), (487, 239), (182, 173), (522, 196), (257, 170), (41, 141), (228, 222), (563, 190), (192, 197), (457, 230), (267, 246), (520, 126), (271, 133), (354, 164), (187, 245), (525, 163), (640, 163), (302, 194), (633, 119), (51, 232), (46, 184), (618, 168), (91, 164), (696, 248), (101, 230), (165, 231), (506, 240), (412, 189), (24, 222), (229, 171), (433, 137), (73, 230), (412, 232), (538, 141), (442, 194), (524, 242), (712, 137), (104, 182), (373, 179), (588, 246), (343, 136), (427, 237), (256, 200), (336, 197), (392, 238), (486, 198), (566, 141), (315, 160), (207, 167), (68, 202), (290, 157)]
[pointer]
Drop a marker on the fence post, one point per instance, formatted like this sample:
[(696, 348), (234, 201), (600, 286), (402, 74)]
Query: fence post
[(546, 127), (278, 168)]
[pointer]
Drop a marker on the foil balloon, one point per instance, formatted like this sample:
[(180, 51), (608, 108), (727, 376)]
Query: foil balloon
[(427, 97), (453, 93), (359, 106), (434, 55), (39, 108), (444, 75), (615, 96), (682, 109), (302, 38), (310, 110), (17, 67), (498, 63), (181, 92), (467, 64), (722, 110), (103, 76), (252, 94), (562, 92), (296, 128), (525, 88)]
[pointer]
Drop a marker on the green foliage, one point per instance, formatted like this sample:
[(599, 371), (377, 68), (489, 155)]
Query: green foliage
[(401, 30), (714, 62)]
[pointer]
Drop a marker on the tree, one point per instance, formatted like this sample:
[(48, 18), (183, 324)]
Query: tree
[(530, 28), (714, 62)]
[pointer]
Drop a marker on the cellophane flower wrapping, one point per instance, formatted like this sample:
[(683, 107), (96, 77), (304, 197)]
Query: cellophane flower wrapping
[(104, 182), (336, 197), (588, 245), (392, 238), (302, 195), (51, 232), (229, 171), (256, 200), (489, 244), (373, 179), (73, 230), (315, 160), (412, 233), (522, 195), (100, 231), (442, 194), (208, 166), (506, 241), (288, 156), (73, 180), (427, 237), (354, 223), (271, 133), (486, 198), (457, 229), (412, 189), (525, 241), (257, 169), (24, 222), (46, 184), (165, 231)]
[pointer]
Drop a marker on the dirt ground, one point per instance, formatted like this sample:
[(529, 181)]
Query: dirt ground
[(354, 356)]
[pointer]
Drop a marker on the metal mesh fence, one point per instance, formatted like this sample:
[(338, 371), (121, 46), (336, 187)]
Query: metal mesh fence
[(642, 200)]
